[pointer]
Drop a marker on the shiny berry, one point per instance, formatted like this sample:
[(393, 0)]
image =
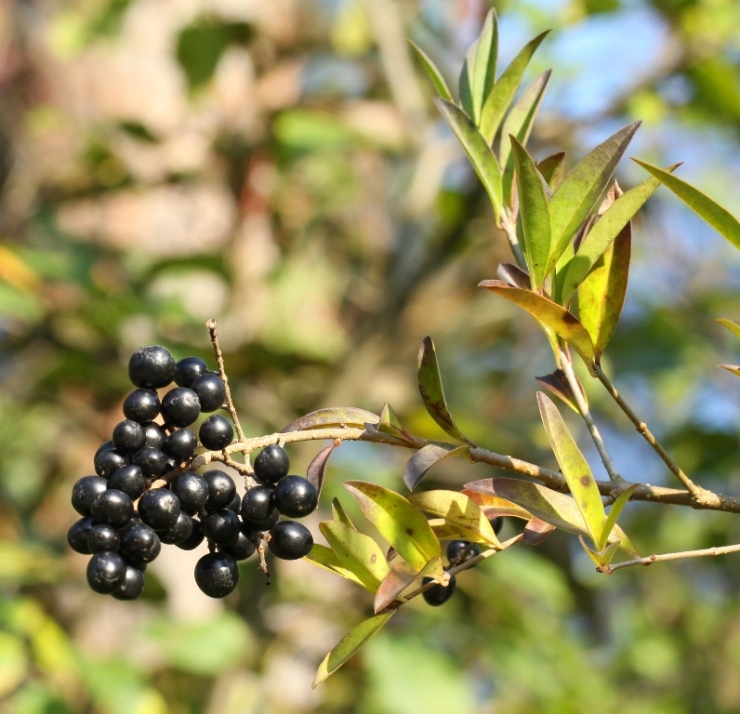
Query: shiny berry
[(211, 392), (181, 445), (128, 436), (155, 436), (152, 462), (272, 464), (182, 530), (221, 489), (236, 504), (130, 480), (141, 406), (180, 406), (84, 492), (439, 594), (194, 539), (216, 574), (241, 548), (130, 586), (295, 496), (458, 551), (159, 508), (105, 571), (105, 446), (188, 370), (139, 543), (216, 432), (257, 505), (151, 367), (78, 533), (106, 462), (221, 526), (192, 491), (113, 508), (290, 540), (102, 537)]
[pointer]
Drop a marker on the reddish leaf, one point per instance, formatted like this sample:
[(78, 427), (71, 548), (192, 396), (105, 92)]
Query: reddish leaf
[(417, 466), (315, 473), (333, 416), (537, 531)]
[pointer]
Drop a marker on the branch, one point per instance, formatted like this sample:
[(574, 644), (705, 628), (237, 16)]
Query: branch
[(650, 559), (213, 329)]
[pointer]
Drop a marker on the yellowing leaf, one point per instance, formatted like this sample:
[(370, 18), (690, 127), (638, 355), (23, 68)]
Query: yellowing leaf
[(333, 416), (326, 558)]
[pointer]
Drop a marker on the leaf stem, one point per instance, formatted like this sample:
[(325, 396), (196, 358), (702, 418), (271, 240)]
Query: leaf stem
[(650, 559), (509, 228)]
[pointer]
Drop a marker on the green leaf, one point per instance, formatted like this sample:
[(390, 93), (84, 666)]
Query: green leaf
[(458, 510), (535, 217), (426, 457), (400, 523), (333, 416), (478, 151), (549, 314), (349, 645), (390, 424), (356, 552), (338, 514), (731, 325), (574, 466), (519, 123), (437, 79), (505, 89), (484, 70), (553, 169), (614, 513), (583, 186), (465, 82), (719, 218), (601, 294), (432, 392), (326, 558), (603, 557)]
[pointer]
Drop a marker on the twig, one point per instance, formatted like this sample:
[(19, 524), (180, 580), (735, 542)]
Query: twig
[(213, 329), (263, 563), (650, 559), (509, 228)]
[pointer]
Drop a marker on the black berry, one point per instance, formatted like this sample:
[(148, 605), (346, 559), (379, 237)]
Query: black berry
[(236, 504), (192, 491), (105, 446), (439, 594), (129, 479), (497, 524), (181, 445), (106, 462), (159, 508), (155, 436), (221, 489), (104, 571), (257, 505), (290, 540), (211, 392), (128, 436), (78, 533), (295, 496), (217, 574), (194, 539), (102, 537), (180, 406), (141, 406), (151, 367), (458, 551), (139, 543), (84, 492), (221, 526), (130, 586), (188, 370), (113, 508), (216, 432), (241, 548), (152, 462), (182, 530), (272, 464)]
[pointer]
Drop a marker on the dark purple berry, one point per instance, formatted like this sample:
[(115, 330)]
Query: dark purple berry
[(266, 524), (151, 367), (290, 540), (194, 539), (221, 526), (113, 508), (155, 436), (295, 496), (211, 392), (106, 462), (130, 480), (236, 504), (131, 585), (458, 551), (141, 406), (180, 406), (105, 571), (241, 548), (84, 492), (439, 594), (102, 537), (221, 489), (78, 533), (188, 370), (272, 464), (152, 462), (182, 530), (106, 446), (128, 436), (257, 504), (159, 508), (181, 445), (497, 523), (139, 543), (216, 432), (216, 574), (192, 491)]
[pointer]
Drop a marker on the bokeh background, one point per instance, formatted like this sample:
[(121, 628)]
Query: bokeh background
[(280, 166)]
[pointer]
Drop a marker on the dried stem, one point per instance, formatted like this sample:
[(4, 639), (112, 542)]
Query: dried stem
[(650, 559), (213, 329)]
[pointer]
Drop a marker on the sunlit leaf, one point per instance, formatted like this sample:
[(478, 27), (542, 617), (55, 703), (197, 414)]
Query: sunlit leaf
[(333, 416), (326, 558), (552, 169), (574, 466), (484, 71), (317, 467), (432, 392), (465, 82), (494, 506), (400, 523), (390, 424), (426, 457), (719, 218), (731, 325), (732, 368), (400, 576), (603, 557), (437, 80), (349, 645), (338, 514), (614, 513)]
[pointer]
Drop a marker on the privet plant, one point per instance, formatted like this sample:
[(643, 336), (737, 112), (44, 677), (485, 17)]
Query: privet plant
[(570, 235)]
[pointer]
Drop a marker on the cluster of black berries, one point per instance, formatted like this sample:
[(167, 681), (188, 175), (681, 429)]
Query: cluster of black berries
[(458, 551)]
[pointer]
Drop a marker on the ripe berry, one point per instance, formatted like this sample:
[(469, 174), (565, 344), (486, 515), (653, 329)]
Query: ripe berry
[(221, 489), (272, 464), (180, 406), (192, 491), (241, 548), (257, 504), (128, 436), (105, 446), (211, 392), (458, 551), (102, 537), (113, 508), (498, 524), (236, 504), (181, 445), (217, 574), (290, 540), (181, 531), (295, 496), (221, 526), (216, 432), (439, 594), (106, 462), (159, 508), (141, 406), (105, 571), (155, 436), (151, 367), (188, 370), (130, 586), (194, 539), (130, 480), (139, 543), (152, 462), (84, 492), (78, 533)]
